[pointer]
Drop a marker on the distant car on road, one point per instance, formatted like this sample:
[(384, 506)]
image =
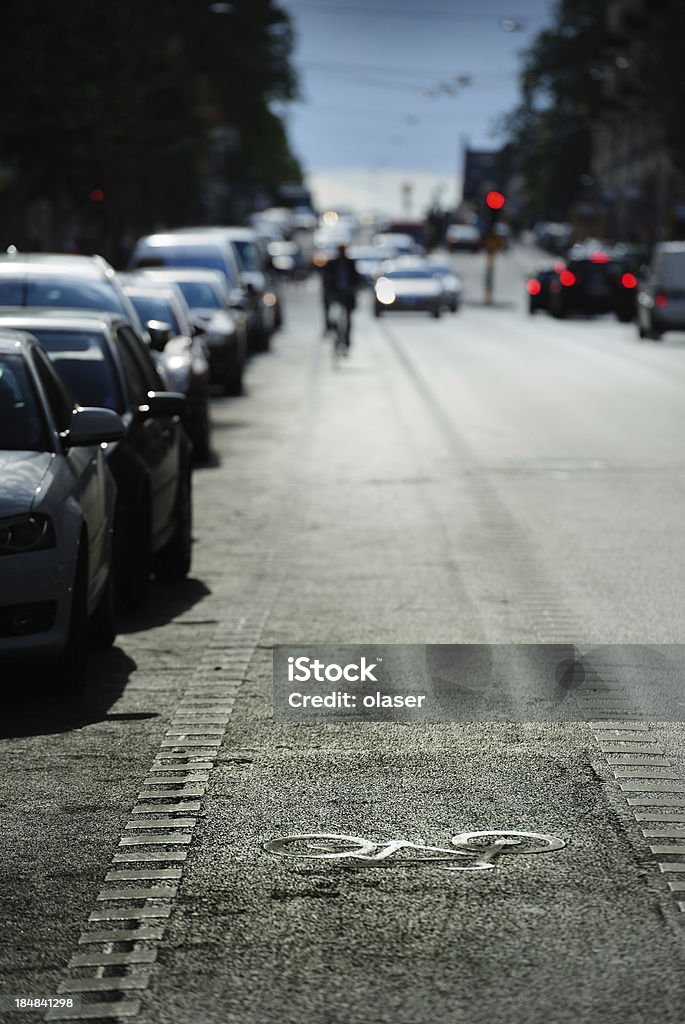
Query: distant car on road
[(463, 238), (537, 287), (103, 362), (451, 283), (661, 296), (593, 281), (57, 502), (408, 289)]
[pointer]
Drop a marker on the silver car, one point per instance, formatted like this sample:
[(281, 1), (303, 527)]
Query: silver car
[(56, 517), (661, 296)]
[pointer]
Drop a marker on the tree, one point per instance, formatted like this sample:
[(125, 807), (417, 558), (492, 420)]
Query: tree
[(116, 106), (549, 132)]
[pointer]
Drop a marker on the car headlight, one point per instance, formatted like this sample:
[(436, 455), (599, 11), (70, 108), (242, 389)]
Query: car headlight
[(385, 292), (26, 533)]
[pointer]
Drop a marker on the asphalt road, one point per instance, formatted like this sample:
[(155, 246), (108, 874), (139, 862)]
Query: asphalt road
[(488, 478)]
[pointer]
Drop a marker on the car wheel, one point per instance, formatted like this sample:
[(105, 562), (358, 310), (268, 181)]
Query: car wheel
[(454, 306), (133, 554), (102, 630), (624, 318), (173, 561), (377, 311), (72, 665), (436, 312), (233, 384)]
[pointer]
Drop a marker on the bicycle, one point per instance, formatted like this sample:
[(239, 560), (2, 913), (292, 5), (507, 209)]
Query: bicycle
[(484, 848), (339, 317)]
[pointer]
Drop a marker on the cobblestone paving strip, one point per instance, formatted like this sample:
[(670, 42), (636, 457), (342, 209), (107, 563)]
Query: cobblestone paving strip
[(178, 770)]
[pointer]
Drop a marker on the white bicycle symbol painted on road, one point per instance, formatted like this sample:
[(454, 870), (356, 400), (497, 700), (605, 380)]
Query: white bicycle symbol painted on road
[(483, 848)]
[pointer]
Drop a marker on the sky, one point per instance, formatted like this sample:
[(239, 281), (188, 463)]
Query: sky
[(392, 90)]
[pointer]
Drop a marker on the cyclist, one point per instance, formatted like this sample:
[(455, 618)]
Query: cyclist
[(340, 281)]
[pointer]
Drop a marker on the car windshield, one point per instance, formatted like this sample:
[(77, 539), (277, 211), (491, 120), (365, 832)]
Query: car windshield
[(211, 259), (408, 275), (670, 269), (247, 254), (63, 292), (154, 307), (22, 428), (84, 362), (200, 295)]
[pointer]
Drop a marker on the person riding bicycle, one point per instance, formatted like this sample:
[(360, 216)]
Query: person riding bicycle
[(340, 280)]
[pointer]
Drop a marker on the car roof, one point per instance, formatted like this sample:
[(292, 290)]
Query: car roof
[(184, 236), (94, 267), (57, 317), (184, 274), (662, 247), (225, 231)]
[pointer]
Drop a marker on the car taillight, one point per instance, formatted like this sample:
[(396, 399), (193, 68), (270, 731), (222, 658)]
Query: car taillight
[(599, 257), (533, 287), (567, 278), (660, 300), (629, 281)]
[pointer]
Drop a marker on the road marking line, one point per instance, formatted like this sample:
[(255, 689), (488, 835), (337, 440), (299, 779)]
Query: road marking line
[(136, 956), (123, 934), (108, 1010), (129, 913), (126, 981)]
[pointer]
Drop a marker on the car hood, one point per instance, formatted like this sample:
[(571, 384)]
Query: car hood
[(21, 474)]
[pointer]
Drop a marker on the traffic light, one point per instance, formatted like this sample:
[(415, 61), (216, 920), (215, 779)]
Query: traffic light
[(494, 200)]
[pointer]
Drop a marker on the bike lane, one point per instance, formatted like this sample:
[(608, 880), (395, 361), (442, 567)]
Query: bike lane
[(351, 548)]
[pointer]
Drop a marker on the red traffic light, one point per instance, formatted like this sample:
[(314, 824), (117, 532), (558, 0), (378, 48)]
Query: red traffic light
[(495, 200), (96, 195)]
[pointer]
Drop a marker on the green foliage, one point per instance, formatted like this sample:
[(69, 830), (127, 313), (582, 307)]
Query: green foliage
[(549, 133), (127, 97)]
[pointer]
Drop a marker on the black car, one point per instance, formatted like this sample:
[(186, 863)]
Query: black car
[(179, 353), (104, 363), (594, 282), (538, 285)]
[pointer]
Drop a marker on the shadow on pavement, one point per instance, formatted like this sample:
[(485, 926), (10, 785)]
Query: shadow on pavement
[(165, 603), (32, 708)]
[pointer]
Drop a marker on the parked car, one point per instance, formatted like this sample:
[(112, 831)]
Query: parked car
[(593, 281), (103, 362), (661, 295), (463, 238), (408, 289), (206, 248), (265, 314), (178, 351), (64, 281), (57, 503), (224, 327)]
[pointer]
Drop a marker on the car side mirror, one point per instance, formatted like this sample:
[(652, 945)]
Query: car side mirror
[(162, 405), (91, 426), (197, 327), (159, 332)]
